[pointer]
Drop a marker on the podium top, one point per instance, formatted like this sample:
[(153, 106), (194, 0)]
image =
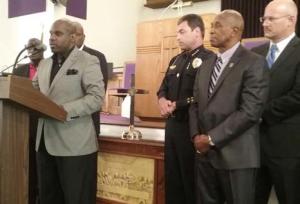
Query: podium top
[(20, 90)]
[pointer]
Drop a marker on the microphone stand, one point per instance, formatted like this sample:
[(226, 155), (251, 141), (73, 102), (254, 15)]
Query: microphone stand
[(13, 65), (18, 60)]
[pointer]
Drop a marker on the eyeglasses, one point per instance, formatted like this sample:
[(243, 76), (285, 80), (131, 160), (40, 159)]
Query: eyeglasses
[(271, 18)]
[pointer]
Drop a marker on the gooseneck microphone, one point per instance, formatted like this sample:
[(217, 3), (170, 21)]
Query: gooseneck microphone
[(2, 72), (19, 54), (39, 48)]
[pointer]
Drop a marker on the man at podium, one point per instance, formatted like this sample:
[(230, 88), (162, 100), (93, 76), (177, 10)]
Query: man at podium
[(67, 151)]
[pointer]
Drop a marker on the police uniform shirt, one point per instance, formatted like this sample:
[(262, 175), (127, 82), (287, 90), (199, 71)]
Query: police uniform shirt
[(178, 82)]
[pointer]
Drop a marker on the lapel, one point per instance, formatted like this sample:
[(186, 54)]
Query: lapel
[(72, 58), (229, 67), (290, 48), (44, 70), (205, 78), (265, 50), (28, 71)]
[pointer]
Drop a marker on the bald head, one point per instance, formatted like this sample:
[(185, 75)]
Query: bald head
[(234, 19), (67, 24), (280, 18), (62, 36), (78, 26), (79, 34), (226, 30), (287, 7)]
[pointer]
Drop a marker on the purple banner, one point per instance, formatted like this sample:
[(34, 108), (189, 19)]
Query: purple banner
[(77, 8), (25, 7), (129, 70)]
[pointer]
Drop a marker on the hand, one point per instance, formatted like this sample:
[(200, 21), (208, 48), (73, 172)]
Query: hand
[(166, 107), (201, 143), (173, 106)]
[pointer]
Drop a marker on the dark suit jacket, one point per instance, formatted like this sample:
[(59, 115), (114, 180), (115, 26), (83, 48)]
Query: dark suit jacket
[(231, 114), (104, 70), (22, 70), (281, 118), (103, 63)]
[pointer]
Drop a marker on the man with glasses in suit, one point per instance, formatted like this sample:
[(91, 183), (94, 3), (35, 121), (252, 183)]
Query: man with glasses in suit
[(280, 127)]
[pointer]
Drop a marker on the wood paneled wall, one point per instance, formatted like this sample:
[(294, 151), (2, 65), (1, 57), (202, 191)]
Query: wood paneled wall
[(156, 45)]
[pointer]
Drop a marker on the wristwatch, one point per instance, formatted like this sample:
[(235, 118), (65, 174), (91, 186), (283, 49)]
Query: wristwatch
[(210, 141)]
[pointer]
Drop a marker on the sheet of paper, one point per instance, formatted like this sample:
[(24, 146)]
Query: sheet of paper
[(125, 109)]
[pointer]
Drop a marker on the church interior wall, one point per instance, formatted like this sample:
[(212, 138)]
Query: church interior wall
[(110, 26)]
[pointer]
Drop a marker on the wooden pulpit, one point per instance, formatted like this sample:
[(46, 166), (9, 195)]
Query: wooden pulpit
[(17, 99)]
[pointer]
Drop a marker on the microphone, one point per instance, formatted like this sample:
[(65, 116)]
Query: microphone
[(3, 73), (40, 46), (36, 52)]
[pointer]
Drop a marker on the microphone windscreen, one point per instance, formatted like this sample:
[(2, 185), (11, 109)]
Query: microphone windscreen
[(41, 47)]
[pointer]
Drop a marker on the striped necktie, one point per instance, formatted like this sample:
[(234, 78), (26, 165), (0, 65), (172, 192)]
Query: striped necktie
[(271, 56), (215, 75)]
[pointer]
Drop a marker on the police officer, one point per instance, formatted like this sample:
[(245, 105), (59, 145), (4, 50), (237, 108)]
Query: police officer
[(174, 97)]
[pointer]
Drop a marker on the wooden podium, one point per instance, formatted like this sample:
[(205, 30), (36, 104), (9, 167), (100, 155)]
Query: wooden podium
[(17, 99)]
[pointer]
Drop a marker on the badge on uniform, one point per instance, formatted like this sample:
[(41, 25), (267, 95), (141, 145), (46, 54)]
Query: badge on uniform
[(196, 62), (173, 66)]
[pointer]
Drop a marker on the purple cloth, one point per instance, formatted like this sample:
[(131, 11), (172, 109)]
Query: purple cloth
[(249, 44), (129, 69), (25, 7), (116, 119), (77, 8)]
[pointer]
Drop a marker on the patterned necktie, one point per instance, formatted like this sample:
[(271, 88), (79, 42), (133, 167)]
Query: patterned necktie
[(271, 56), (215, 75)]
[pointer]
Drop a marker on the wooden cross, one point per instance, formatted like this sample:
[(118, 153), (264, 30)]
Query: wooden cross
[(131, 133)]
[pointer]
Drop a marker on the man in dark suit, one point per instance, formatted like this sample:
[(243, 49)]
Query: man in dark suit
[(174, 98), (280, 128), (230, 91), (28, 71), (80, 37)]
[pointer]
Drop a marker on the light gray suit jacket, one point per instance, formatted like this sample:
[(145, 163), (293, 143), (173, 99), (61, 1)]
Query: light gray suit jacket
[(231, 115), (78, 87)]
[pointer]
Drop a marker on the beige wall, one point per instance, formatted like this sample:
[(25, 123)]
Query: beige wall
[(110, 26), (16, 31)]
